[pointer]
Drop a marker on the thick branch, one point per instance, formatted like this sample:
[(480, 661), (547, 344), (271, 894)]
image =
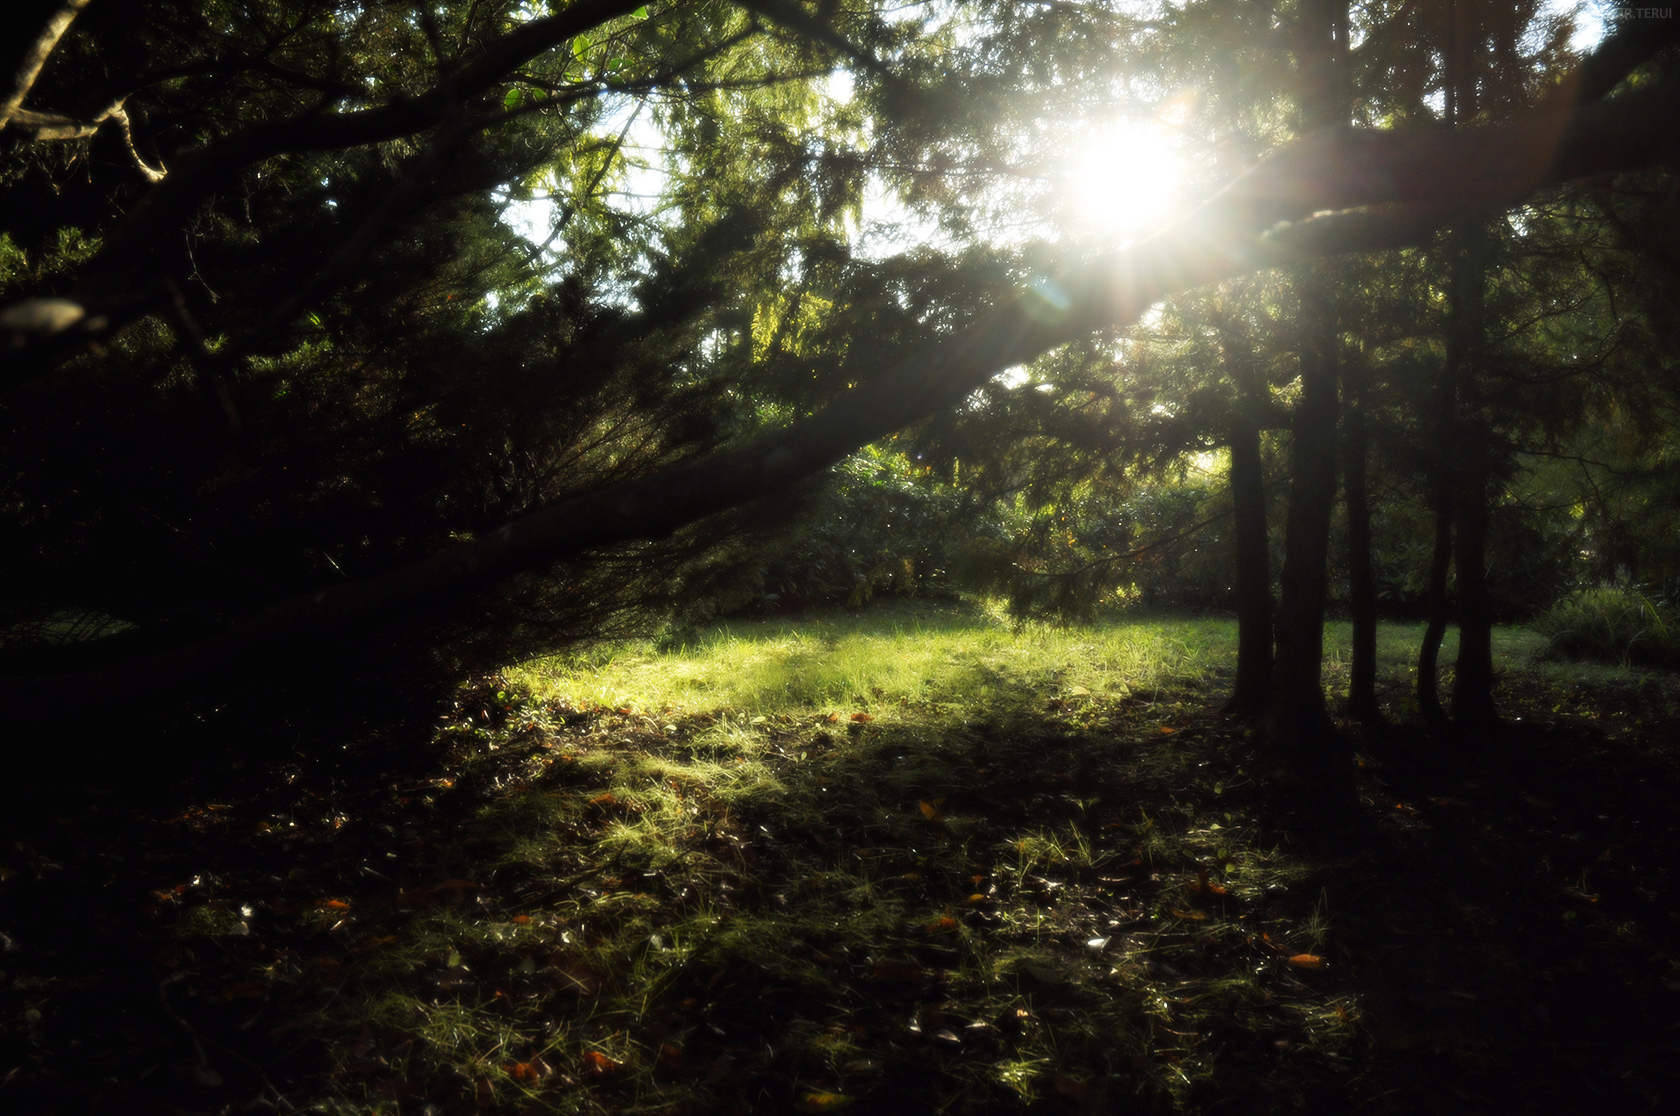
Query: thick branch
[(35, 56), (57, 126), (200, 173)]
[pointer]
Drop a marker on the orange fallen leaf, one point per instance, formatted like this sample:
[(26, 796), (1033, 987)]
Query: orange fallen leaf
[(930, 809), (825, 1102), (1194, 916), (598, 1064), (1307, 961), (861, 717), (1202, 883), (671, 1056), (521, 920), (333, 905)]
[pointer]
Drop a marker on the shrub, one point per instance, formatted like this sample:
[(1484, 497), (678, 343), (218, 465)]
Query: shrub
[(1613, 624)]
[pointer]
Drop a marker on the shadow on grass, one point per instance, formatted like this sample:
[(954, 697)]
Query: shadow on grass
[(1042, 897)]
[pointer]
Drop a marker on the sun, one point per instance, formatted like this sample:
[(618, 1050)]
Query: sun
[(1123, 180)]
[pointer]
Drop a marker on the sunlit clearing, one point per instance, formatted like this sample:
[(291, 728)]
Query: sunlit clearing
[(1123, 181)]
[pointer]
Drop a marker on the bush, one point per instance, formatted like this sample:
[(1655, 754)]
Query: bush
[(1612, 624)]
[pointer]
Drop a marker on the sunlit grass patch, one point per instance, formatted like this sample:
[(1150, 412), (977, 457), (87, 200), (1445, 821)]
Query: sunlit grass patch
[(861, 661), (933, 860), (920, 858)]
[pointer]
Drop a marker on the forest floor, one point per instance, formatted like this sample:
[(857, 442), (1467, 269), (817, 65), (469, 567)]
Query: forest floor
[(909, 861)]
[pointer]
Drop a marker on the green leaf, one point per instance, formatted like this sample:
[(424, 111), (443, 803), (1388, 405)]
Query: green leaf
[(515, 97), (580, 46), (640, 13)]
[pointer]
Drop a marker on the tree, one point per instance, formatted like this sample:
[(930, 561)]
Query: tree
[(361, 128)]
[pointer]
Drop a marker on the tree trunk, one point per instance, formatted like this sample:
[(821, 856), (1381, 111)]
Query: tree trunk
[(1429, 652), (1362, 588), (1253, 575), (1473, 706), (1297, 724), (1296, 720)]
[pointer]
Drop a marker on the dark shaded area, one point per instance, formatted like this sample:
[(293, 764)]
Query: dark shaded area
[(1503, 916)]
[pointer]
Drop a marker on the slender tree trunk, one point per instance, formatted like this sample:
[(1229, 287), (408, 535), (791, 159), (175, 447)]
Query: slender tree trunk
[(1253, 578), (1429, 652), (1296, 720), (1473, 706), (1362, 588)]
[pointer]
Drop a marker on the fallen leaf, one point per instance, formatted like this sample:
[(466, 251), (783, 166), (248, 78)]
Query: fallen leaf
[(930, 809), (825, 1102), (671, 1056), (1068, 1087), (598, 1064), (1307, 961), (1202, 883), (1194, 916), (859, 717)]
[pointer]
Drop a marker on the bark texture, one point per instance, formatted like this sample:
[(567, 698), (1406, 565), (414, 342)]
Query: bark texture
[(1362, 585), (1252, 579)]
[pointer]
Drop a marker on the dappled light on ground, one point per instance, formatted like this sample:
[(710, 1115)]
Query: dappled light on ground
[(907, 862)]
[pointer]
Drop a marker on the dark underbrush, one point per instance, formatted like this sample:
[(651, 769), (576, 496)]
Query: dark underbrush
[(1040, 898)]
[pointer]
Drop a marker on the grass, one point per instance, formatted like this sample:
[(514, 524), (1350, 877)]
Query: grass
[(917, 860), (917, 653)]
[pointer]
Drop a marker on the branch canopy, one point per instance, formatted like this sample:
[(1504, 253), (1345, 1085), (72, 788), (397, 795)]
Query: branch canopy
[(1336, 192)]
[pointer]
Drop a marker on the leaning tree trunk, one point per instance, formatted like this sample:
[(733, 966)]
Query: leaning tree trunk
[(1362, 587)]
